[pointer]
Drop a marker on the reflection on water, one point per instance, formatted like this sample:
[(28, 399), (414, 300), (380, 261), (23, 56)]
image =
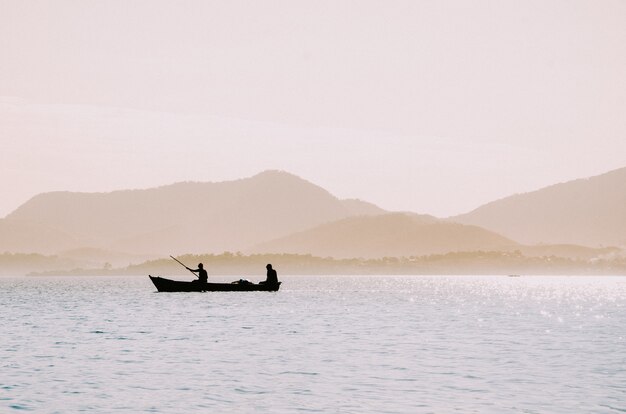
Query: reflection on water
[(326, 344)]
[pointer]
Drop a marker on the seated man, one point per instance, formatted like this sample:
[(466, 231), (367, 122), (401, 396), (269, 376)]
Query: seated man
[(272, 277)]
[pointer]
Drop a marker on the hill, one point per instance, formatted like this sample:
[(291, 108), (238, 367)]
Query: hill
[(179, 218), (26, 236), (391, 235), (590, 212)]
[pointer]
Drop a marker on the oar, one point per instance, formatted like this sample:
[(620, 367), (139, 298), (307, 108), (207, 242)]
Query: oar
[(183, 265)]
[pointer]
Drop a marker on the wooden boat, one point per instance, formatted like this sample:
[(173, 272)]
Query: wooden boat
[(167, 285)]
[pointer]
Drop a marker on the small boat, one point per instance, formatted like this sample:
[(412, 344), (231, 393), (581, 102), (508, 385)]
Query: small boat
[(167, 285)]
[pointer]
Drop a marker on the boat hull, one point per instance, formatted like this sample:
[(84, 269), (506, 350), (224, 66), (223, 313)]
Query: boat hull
[(167, 285)]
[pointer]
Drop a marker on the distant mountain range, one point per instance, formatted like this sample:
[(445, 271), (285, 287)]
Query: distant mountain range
[(277, 212), (179, 218), (589, 211), (387, 235)]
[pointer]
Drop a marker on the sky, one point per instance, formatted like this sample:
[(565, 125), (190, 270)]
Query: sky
[(428, 106)]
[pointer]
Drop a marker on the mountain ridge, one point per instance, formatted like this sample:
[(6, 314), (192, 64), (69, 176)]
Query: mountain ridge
[(586, 211), (386, 235), (260, 212), (185, 217)]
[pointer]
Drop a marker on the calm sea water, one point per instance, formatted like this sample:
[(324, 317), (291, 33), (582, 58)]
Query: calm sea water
[(407, 344)]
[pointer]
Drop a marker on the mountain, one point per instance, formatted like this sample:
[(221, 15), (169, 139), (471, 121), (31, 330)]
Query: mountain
[(590, 212), (25, 236), (179, 218), (388, 235), (277, 212)]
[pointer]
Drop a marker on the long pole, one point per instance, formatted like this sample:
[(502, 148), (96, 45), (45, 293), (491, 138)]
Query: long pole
[(182, 264)]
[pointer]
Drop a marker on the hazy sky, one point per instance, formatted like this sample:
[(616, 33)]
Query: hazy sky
[(429, 106)]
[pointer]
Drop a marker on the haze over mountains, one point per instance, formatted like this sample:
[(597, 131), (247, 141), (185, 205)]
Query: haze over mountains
[(179, 218), (388, 235), (588, 211), (277, 212)]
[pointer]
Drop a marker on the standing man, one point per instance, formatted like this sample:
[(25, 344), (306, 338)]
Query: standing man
[(203, 277)]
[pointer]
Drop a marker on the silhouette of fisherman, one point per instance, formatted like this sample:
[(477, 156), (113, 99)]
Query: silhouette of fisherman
[(203, 277), (272, 277)]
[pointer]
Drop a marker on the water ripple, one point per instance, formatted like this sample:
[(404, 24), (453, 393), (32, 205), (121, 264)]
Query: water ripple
[(321, 344)]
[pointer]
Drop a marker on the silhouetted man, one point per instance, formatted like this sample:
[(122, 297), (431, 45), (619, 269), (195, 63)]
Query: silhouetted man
[(203, 277), (272, 277)]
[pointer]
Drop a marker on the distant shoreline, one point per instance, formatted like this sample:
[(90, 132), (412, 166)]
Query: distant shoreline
[(253, 266)]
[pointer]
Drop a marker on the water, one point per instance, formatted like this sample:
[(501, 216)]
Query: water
[(407, 344)]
